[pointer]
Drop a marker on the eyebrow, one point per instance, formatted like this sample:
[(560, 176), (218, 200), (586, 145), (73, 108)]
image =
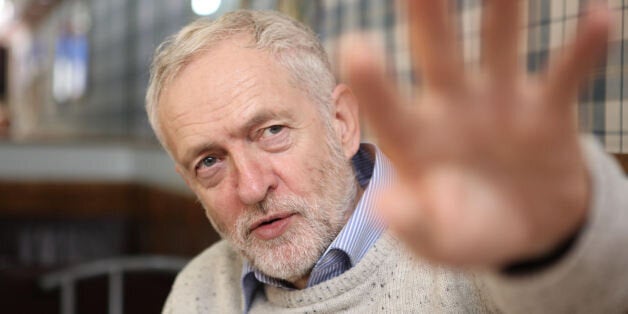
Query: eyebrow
[(259, 117)]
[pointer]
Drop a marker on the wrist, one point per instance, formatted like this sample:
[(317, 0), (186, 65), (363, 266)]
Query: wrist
[(544, 261)]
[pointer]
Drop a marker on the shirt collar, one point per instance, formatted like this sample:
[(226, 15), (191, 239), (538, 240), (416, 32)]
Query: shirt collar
[(364, 226)]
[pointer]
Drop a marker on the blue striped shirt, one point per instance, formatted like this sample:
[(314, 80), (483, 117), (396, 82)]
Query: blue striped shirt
[(373, 172)]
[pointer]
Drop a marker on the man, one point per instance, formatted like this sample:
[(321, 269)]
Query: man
[(522, 214)]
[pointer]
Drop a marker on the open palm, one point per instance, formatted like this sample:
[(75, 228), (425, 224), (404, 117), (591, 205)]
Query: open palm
[(490, 168)]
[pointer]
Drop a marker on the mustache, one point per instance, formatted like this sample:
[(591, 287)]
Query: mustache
[(272, 205)]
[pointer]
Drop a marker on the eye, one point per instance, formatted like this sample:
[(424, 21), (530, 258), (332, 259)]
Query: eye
[(273, 138), (207, 162), (273, 130)]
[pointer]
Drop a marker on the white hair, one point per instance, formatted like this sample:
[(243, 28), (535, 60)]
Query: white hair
[(294, 46)]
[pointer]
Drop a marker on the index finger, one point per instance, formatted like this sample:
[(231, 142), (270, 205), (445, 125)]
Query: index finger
[(395, 128), (434, 44)]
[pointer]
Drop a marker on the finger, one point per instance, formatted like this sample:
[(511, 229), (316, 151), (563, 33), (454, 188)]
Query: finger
[(434, 44), (394, 128), (500, 41), (578, 60)]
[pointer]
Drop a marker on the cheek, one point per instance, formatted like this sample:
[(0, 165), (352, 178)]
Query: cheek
[(222, 210), (302, 176)]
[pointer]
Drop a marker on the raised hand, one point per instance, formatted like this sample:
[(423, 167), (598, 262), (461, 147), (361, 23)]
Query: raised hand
[(490, 168)]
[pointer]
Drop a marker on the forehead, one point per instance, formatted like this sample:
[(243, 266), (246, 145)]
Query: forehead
[(220, 89), (224, 72)]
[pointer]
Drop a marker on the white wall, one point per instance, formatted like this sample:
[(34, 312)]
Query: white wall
[(88, 162)]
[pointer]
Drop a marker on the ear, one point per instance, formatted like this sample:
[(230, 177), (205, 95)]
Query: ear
[(346, 119)]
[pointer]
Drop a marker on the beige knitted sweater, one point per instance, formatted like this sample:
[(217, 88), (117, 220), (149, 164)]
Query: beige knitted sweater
[(591, 278)]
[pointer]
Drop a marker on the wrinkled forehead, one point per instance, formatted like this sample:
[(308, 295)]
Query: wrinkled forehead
[(222, 62), (228, 81)]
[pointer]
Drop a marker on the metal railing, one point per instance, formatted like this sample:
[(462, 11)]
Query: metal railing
[(114, 269)]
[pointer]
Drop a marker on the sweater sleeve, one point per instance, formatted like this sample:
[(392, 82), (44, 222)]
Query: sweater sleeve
[(592, 277)]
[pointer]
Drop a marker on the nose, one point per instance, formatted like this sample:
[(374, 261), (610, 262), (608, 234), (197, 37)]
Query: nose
[(254, 178)]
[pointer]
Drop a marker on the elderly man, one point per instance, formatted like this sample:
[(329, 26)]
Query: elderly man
[(496, 205)]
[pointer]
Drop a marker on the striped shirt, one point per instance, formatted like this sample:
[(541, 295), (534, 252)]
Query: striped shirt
[(373, 172)]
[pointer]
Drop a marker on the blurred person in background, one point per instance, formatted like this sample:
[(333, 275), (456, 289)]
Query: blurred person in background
[(507, 209)]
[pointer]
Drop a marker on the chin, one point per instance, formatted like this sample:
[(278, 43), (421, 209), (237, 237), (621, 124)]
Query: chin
[(289, 257)]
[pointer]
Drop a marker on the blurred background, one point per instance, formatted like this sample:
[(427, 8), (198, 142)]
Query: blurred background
[(93, 218)]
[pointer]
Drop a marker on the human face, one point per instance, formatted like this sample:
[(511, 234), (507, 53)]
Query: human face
[(274, 178)]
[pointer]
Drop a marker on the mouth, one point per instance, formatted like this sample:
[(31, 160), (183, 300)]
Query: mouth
[(272, 226)]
